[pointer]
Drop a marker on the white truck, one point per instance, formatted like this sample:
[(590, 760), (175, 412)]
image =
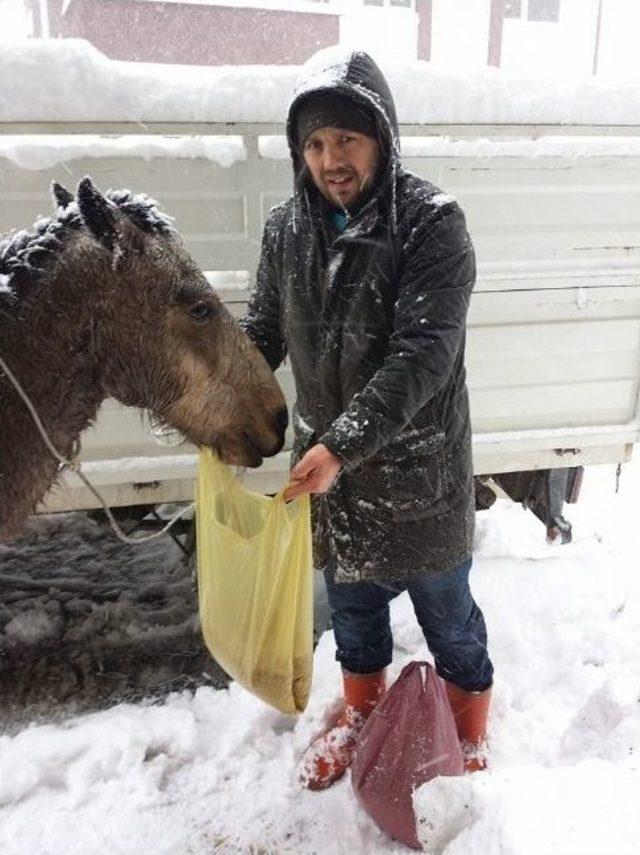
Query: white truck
[(554, 326)]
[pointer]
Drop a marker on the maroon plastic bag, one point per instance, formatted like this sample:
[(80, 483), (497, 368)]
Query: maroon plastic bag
[(409, 739)]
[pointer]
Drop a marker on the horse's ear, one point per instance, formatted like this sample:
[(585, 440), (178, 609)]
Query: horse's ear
[(98, 214), (61, 195)]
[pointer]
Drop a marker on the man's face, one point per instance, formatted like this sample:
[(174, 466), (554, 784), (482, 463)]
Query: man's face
[(343, 163)]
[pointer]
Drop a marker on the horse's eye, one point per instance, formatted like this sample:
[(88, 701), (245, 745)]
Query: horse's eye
[(201, 311)]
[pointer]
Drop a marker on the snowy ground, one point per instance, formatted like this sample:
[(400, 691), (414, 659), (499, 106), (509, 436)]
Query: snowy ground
[(86, 621), (214, 771)]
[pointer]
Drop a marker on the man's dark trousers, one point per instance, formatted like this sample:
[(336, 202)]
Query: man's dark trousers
[(450, 619)]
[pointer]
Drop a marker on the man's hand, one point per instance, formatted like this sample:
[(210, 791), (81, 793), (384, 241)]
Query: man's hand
[(315, 473)]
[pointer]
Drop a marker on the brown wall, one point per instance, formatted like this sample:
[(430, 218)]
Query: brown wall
[(194, 35)]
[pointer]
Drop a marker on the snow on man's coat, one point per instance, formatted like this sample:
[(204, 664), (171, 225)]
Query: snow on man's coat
[(373, 321)]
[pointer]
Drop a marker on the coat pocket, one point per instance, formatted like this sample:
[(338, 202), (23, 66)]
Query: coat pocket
[(409, 476)]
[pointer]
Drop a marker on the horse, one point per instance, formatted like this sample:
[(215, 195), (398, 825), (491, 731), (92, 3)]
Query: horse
[(103, 300)]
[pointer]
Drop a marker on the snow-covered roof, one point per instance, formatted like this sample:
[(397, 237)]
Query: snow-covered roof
[(69, 80)]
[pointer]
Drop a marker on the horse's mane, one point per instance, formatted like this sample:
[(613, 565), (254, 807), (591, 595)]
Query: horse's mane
[(25, 255)]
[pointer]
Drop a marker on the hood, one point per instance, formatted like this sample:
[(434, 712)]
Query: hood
[(355, 75)]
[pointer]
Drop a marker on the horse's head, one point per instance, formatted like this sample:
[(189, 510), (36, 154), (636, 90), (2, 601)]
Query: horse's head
[(166, 341)]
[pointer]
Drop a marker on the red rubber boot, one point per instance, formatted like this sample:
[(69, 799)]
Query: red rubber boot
[(470, 712), (330, 755)]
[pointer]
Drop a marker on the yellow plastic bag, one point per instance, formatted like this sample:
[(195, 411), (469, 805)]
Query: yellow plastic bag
[(255, 586)]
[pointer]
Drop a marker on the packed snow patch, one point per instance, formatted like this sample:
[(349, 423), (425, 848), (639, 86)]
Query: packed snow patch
[(86, 620), (589, 808)]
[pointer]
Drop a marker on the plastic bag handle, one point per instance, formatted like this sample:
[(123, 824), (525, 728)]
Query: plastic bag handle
[(227, 480), (279, 496)]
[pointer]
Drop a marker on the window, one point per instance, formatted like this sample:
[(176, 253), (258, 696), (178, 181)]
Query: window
[(407, 4), (544, 10), (533, 10)]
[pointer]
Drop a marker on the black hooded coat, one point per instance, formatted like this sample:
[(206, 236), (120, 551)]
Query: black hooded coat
[(373, 321)]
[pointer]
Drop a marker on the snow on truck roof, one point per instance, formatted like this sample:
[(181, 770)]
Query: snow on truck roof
[(68, 80)]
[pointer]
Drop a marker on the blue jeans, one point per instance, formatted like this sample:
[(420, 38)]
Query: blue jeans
[(450, 619)]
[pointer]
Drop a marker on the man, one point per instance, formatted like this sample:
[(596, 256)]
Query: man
[(364, 281)]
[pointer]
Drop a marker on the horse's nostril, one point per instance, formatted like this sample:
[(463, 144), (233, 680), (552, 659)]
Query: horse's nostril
[(282, 420)]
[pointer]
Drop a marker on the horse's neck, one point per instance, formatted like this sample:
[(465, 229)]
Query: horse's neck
[(28, 469), (56, 369)]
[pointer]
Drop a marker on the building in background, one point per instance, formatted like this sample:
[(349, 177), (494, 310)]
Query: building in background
[(554, 36), (199, 32), (617, 54), (531, 37), (542, 37), (233, 32)]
